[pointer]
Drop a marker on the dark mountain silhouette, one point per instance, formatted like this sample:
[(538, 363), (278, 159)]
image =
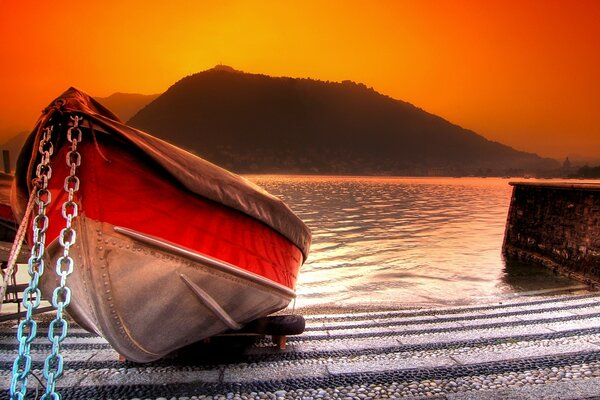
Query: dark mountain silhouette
[(125, 105), (256, 123), (13, 145)]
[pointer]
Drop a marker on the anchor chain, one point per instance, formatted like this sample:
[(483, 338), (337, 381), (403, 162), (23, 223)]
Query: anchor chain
[(27, 330), (61, 297), (57, 331)]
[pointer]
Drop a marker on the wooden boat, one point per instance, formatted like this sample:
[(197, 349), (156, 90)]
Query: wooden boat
[(8, 223), (170, 249)]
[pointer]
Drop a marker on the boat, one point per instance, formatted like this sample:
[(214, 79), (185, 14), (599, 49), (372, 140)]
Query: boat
[(8, 230), (168, 249), (8, 223)]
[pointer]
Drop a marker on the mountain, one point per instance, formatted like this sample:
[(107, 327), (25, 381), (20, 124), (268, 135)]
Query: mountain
[(256, 123), (13, 145), (125, 105)]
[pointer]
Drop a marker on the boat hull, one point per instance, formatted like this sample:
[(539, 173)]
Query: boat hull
[(170, 249), (138, 296)]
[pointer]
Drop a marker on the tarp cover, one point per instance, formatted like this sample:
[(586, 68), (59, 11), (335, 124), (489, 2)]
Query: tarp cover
[(197, 175)]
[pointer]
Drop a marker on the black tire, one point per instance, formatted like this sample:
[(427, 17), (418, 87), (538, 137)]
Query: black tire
[(276, 325)]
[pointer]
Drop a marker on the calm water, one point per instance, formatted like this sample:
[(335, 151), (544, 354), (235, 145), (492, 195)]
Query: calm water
[(405, 241)]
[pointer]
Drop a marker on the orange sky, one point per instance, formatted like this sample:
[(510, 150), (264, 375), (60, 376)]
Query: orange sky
[(524, 73)]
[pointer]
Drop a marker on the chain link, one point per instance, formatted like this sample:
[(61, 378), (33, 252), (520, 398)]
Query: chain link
[(27, 330), (57, 331), (61, 297)]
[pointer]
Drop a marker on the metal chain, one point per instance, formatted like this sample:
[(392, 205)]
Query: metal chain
[(53, 366), (32, 296)]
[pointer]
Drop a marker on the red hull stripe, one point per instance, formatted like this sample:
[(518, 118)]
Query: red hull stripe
[(132, 192)]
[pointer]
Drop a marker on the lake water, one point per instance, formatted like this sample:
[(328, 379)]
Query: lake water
[(406, 241)]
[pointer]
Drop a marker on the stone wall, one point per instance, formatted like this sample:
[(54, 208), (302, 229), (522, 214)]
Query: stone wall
[(556, 225)]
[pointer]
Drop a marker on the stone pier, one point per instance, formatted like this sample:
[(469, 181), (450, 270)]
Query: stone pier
[(556, 225)]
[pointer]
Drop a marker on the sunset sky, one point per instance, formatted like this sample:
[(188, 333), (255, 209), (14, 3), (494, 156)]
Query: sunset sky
[(524, 73)]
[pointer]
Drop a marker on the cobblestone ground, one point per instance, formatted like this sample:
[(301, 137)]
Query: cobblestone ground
[(523, 348)]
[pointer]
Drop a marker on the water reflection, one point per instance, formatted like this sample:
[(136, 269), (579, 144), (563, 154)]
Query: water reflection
[(414, 241), (521, 277)]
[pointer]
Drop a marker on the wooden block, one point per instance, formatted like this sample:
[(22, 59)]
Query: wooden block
[(280, 341)]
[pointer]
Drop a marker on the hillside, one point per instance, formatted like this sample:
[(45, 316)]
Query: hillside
[(13, 145), (256, 123), (125, 105)]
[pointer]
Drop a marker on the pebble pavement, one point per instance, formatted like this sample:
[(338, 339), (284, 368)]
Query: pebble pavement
[(522, 348)]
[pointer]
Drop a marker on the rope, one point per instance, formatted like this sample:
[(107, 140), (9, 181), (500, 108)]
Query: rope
[(16, 247)]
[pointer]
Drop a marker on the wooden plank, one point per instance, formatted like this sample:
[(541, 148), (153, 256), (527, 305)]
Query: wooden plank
[(19, 315), (5, 248)]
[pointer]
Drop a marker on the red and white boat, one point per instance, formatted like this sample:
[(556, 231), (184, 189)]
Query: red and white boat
[(170, 249), (8, 224)]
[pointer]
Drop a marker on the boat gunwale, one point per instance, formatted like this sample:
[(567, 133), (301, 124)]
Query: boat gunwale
[(205, 259)]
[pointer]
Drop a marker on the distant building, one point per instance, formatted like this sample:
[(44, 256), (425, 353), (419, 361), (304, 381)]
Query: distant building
[(567, 168)]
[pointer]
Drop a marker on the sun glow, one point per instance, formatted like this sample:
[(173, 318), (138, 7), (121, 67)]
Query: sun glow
[(522, 73)]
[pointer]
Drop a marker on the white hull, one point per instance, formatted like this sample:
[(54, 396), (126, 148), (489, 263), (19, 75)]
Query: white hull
[(140, 295)]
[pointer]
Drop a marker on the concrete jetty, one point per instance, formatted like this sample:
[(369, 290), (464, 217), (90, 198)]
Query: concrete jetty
[(521, 348), (556, 225)]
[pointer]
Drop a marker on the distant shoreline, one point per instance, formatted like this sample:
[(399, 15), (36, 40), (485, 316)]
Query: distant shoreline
[(306, 175)]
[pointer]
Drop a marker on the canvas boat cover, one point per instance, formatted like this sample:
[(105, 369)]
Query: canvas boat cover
[(196, 174)]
